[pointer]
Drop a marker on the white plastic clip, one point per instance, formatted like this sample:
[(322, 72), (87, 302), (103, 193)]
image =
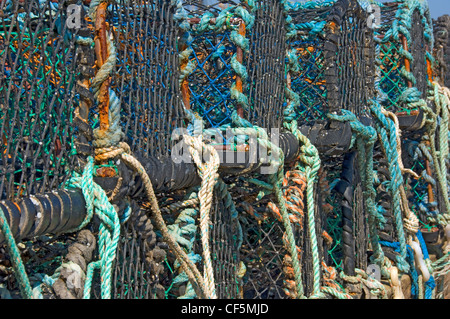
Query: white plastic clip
[(420, 262), (396, 287)]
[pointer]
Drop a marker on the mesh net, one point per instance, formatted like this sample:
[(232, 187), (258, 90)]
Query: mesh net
[(400, 71), (441, 28), (43, 94), (139, 260), (394, 62), (210, 81), (266, 65), (419, 48), (37, 97), (391, 82), (329, 78), (146, 74)]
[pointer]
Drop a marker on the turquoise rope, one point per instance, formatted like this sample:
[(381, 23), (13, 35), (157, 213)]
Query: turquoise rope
[(382, 125), (109, 230), (366, 137), (16, 259)]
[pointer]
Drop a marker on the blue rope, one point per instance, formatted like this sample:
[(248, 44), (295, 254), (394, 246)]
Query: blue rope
[(410, 260)]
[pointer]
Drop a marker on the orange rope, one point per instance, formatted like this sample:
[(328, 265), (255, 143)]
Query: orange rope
[(294, 186)]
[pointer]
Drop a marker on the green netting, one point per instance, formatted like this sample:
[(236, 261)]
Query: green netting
[(405, 45), (37, 96), (322, 54)]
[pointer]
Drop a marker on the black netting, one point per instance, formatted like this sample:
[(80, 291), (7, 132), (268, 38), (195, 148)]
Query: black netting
[(40, 68), (441, 29), (266, 65), (263, 252), (139, 261), (146, 75), (197, 8), (265, 255), (418, 49), (355, 62), (335, 55), (224, 248)]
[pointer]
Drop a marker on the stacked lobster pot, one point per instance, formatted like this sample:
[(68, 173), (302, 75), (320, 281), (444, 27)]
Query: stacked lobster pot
[(441, 48), (412, 100), (330, 74), (223, 149)]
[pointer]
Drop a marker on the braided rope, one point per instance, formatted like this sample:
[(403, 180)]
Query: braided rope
[(310, 158), (208, 173), (389, 142), (16, 259)]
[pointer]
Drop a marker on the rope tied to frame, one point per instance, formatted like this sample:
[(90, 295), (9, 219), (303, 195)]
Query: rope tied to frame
[(109, 231), (208, 173), (310, 158), (366, 137)]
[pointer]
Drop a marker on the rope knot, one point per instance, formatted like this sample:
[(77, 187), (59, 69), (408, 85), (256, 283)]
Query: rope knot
[(106, 153)]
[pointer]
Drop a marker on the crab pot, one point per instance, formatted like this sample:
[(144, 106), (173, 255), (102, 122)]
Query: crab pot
[(406, 64), (43, 102), (41, 64), (441, 29), (404, 57), (406, 61), (208, 91), (334, 48)]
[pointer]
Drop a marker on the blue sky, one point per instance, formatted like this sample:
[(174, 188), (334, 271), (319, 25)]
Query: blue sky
[(439, 7)]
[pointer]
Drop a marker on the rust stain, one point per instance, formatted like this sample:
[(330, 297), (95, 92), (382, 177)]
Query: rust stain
[(101, 51), (106, 172)]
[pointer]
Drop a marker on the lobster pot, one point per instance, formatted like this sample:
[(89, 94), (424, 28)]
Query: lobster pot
[(266, 65), (333, 46), (219, 62), (405, 66), (138, 268), (210, 75), (145, 79), (42, 61), (441, 52), (404, 54)]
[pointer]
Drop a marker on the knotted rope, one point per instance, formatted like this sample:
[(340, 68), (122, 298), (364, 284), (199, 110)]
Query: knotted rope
[(208, 173)]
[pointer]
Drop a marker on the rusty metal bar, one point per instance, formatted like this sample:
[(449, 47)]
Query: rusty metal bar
[(101, 51)]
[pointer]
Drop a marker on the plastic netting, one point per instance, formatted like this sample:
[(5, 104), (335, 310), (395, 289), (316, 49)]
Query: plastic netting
[(336, 67), (40, 61), (441, 47), (412, 71), (403, 57), (266, 67), (335, 59), (216, 57), (146, 74)]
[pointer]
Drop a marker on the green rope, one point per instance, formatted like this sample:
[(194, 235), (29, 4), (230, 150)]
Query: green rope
[(109, 230), (366, 137), (310, 157), (16, 259), (440, 159)]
